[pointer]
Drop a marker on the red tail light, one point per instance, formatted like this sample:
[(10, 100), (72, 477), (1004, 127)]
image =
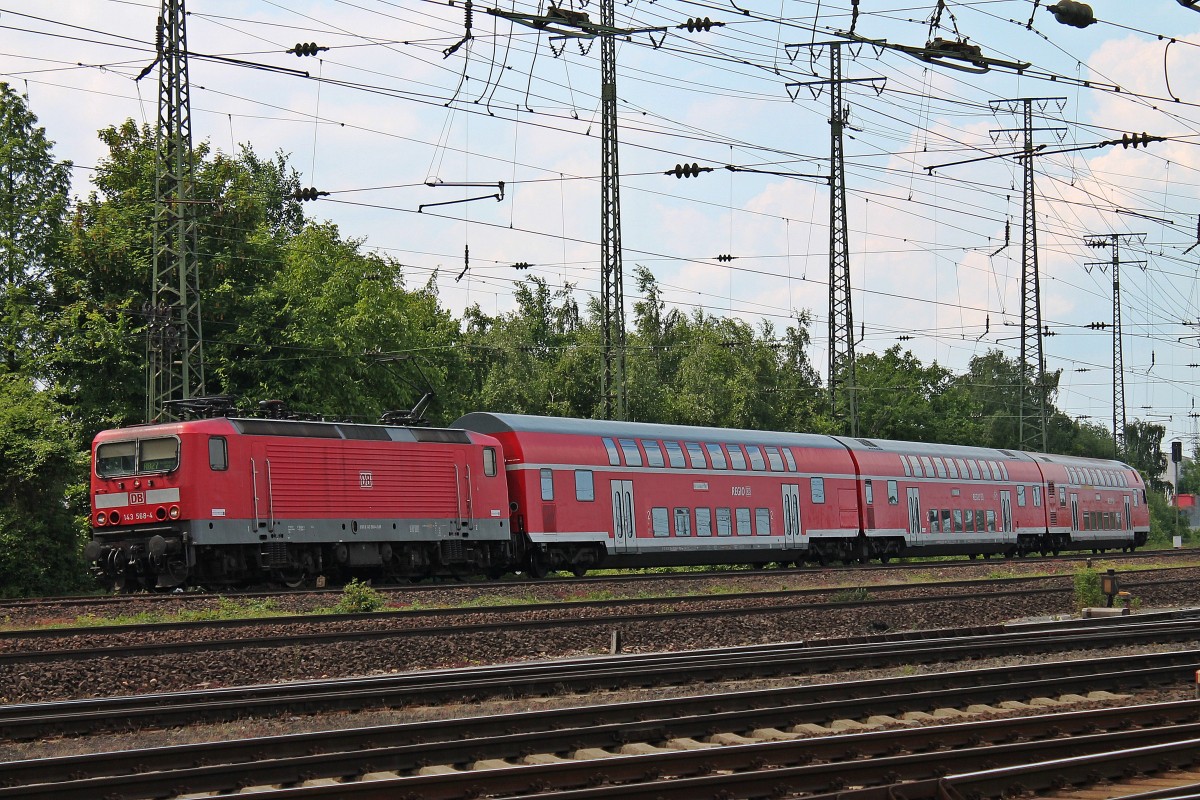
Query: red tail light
[(160, 513), (114, 517)]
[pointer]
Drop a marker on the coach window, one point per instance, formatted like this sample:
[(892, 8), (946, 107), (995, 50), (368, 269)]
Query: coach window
[(614, 457), (907, 468), (218, 455), (659, 521), (817, 488), (998, 473), (916, 467), (974, 469), (716, 455), (979, 520), (629, 449), (737, 459), (774, 460), (757, 462), (933, 521), (695, 455), (743, 521), (724, 522), (1062, 495), (1037, 496), (1021, 496), (940, 466), (1003, 470), (683, 522), (950, 468), (945, 520), (962, 468), (869, 491), (675, 454), (968, 521), (985, 471), (928, 466), (893, 494), (991, 520), (703, 522), (762, 521), (654, 456), (958, 520), (585, 490), (547, 484), (787, 456)]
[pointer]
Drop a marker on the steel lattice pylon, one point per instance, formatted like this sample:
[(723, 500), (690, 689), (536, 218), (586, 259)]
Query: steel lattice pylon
[(1032, 432), (612, 292), (174, 343), (842, 379)]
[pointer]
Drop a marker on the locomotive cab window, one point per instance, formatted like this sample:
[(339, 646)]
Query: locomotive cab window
[(489, 462), (116, 458), (218, 453), (547, 485), (158, 455)]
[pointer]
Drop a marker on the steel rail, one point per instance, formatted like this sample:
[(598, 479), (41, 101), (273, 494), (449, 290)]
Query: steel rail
[(228, 766), (555, 678), (22, 657), (781, 769)]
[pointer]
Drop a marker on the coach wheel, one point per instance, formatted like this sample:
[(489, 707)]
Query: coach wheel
[(579, 570), (537, 567), (294, 579)]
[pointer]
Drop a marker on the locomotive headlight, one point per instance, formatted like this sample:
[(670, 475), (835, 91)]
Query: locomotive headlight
[(101, 518), (174, 512), (160, 513), (114, 517)]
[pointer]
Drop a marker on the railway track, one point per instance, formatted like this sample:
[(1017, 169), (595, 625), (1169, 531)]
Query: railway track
[(466, 585), (767, 743), (77, 717)]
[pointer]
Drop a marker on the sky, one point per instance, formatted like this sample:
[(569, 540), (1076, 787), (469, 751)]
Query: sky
[(392, 120)]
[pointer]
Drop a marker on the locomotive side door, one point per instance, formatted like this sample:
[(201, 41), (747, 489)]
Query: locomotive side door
[(260, 487), (624, 534), (914, 510), (791, 515)]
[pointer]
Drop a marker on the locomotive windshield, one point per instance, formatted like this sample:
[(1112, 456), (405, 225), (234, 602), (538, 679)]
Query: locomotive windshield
[(114, 459)]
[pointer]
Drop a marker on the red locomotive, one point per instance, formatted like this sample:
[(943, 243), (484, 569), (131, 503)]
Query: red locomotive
[(227, 501)]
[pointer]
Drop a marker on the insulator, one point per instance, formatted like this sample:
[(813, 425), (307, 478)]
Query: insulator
[(1132, 140), (1073, 13), (307, 194), (306, 49), (725, 257), (522, 265)]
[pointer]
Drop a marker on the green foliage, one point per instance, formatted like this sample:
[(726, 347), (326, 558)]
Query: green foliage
[(858, 594), (1087, 588), (43, 501), (1166, 521), (359, 598)]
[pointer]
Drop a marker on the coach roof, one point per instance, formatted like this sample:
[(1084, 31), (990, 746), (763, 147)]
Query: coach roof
[(484, 422)]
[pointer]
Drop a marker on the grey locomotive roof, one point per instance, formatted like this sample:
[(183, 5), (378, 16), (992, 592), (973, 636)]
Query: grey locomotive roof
[(483, 422)]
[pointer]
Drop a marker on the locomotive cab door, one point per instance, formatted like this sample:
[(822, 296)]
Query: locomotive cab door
[(624, 534), (791, 515)]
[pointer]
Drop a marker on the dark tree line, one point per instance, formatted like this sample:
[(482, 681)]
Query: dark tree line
[(293, 310)]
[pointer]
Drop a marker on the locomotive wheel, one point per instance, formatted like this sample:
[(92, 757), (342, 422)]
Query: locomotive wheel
[(537, 567), (294, 579)]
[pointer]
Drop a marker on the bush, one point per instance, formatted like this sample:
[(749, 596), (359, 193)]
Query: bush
[(1087, 589), (358, 598)]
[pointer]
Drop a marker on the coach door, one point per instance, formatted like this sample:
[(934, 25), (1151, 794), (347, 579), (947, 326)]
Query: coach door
[(623, 531), (1074, 512), (791, 515), (914, 510), (1128, 517), (1006, 521)]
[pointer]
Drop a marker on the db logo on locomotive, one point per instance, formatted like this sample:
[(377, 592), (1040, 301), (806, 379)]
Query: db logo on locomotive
[(137, 498)]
